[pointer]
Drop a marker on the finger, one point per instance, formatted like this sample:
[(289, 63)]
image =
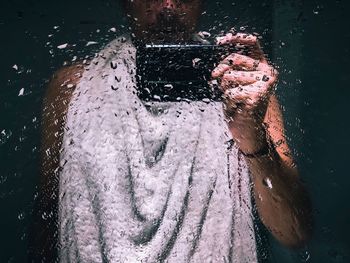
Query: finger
[(238, 61), (220, 70), (241, 61), (248, 40), (241, 38), (234, 61), (245, 77), (258, 89), (251, 94)]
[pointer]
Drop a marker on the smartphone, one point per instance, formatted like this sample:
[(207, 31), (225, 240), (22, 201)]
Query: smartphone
[(175, 72)]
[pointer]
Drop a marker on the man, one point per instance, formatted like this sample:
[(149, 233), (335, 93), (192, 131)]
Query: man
[(159, 182)]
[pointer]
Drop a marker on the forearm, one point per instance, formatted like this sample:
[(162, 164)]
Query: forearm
[(282, 201)]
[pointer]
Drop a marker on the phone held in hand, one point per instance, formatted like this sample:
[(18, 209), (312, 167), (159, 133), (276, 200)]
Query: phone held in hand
[(178, 72)]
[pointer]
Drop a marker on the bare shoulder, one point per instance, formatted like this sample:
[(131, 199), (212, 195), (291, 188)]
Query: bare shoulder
[(43, 244), (55, 106), (62, 85)]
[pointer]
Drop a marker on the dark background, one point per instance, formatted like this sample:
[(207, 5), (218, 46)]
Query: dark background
[(307, 40)]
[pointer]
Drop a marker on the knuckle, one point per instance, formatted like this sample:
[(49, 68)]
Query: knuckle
[(213, 74), (216, 72), (230, 59), (246, 36), (229, 75), (225, 77), (235, 57)]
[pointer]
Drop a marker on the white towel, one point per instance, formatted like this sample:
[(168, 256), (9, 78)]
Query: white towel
[(148, 182)]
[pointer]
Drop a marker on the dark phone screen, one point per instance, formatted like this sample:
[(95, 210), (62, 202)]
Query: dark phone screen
[(178, 72)]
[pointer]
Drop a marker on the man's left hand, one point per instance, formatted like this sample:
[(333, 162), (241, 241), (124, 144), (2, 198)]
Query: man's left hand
[(247, 83)]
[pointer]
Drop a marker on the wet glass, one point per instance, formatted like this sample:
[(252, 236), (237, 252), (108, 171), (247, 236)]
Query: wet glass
[(307, 42)]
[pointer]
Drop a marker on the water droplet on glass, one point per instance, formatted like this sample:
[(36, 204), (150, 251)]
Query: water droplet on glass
[(62, 46), (169, 86), (44, 216), (267, 182), (156, 97), (91, 43), (195, 62), (47, 152), (114, 64), (204, 34), (20, 216), (21, 92), (305, 256)]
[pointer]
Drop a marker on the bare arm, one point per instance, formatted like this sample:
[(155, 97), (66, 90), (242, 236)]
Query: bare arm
[(247, 82), (55, 106), (283, 203)]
